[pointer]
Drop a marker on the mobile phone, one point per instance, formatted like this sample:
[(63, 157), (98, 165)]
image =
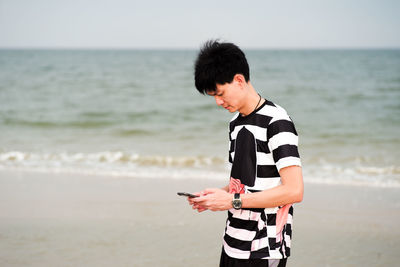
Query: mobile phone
[(184, 194)]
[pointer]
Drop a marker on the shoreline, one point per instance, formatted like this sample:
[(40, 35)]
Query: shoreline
[(64, 220)]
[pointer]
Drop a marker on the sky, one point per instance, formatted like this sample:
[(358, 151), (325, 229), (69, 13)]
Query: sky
[(177, 24)]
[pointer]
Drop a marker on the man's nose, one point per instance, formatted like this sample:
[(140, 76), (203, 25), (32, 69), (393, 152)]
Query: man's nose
[(218, 100)]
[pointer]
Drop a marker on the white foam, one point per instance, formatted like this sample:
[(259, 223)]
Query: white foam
[(122, 164)]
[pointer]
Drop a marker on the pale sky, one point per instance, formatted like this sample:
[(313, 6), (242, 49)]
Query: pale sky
[(187, 24)]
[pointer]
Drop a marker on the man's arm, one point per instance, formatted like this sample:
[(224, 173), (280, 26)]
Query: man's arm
[(290, 191)]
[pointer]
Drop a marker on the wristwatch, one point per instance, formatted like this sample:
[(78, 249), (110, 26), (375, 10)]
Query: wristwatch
[(237, 201)]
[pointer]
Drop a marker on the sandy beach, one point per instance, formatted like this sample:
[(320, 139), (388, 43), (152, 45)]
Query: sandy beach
[(77, 220)]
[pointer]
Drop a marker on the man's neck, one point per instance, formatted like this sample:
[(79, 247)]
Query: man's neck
[(252, 102)]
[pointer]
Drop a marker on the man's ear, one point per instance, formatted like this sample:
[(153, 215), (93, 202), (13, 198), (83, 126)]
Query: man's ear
[(239, 78)]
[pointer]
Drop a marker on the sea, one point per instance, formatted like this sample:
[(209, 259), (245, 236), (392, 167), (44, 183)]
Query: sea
[(136, 113)]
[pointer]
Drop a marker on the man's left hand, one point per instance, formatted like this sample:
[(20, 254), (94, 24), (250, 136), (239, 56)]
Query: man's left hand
[(214, 199)]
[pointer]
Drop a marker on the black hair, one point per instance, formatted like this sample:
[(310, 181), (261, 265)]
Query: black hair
[(218, 63)]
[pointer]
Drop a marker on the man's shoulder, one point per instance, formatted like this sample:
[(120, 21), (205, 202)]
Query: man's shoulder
[(273, 110)]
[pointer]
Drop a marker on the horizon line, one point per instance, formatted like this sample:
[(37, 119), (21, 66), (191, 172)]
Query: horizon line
[(196, 48)]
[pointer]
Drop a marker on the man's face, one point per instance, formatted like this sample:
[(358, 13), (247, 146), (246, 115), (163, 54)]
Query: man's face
[(228, 96)]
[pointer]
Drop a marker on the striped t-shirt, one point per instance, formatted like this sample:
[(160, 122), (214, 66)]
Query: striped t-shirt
[(261, 144)]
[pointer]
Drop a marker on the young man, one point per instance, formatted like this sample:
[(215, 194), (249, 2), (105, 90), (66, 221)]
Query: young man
[(266, 177)]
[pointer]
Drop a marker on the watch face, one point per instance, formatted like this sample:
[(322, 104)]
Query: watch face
[(237, 203)]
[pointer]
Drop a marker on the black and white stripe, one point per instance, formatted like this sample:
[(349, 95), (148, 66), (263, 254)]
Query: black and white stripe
[(252, 233)]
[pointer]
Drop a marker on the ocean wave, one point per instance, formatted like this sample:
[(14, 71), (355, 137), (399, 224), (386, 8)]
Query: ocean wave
[(124, 164), (20, 158), (378, 171), (358, 175), (115, 164), (133, 132), (96, 114), (85, 124)]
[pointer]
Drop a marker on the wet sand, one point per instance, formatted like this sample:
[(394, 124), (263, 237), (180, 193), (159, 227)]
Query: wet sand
[(77, 220)]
